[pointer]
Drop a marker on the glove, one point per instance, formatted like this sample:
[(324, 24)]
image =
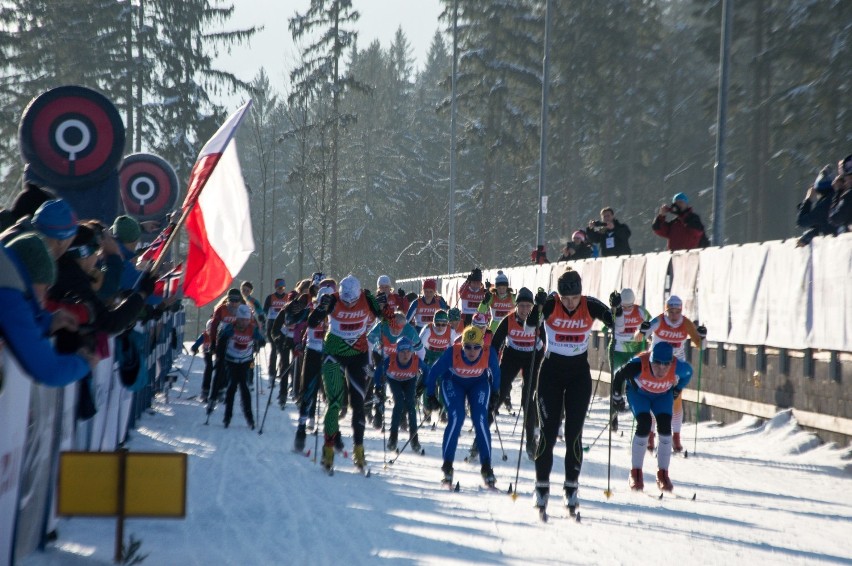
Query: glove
[(454, 315), (617, 403), (487, 297), (401, 293), (540, 297), (194, 350), (493, 402), (146, 283), (432, 403), (614, 300), (675, 393), (645, 327), (702, 331), (325, 303), (382, 299)]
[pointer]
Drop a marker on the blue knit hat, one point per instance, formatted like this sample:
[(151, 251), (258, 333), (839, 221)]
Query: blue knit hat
[(662, 353), (55, 219), (824, 179), (404, 344), (680, 196)]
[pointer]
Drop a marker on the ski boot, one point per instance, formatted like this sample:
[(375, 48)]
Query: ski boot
[(415, 444), (488, 475), (299, 443), (392, 441), (250, 423), (377, 420), (651, 444), (358, 457), (676, 445), (569, 496), (447, 480), (328, 457), (310, 424), (636, 482), (663, 481), (541, 494)]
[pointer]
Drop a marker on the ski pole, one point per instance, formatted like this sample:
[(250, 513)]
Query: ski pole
[(587, 448), (316, 428), (268, 402), (186, 377), (595, 391), (698, 397), (500, 438), (526, 403), (608, 491), (407, 442)]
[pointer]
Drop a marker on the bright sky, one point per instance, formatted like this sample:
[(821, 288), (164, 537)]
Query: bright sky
[(273, 47)]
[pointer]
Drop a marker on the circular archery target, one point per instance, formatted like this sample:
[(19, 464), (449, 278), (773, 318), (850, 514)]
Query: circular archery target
[(71, 137), (149, 186)]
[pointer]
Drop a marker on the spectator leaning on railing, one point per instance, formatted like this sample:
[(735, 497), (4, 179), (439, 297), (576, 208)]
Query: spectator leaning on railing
[(577, 248), (685, 231), (840, 213), (813, 211), (609, 234)]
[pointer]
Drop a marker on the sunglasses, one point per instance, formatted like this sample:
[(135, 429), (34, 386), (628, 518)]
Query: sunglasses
[(441, 324), (473, 347)]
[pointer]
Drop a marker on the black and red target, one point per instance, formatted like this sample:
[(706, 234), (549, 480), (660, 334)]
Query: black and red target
[(72, 137), (149, 186)]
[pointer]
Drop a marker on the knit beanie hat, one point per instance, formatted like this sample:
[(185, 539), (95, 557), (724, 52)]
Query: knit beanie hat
[(569, 283), (680, 196), (234, 295), (126, 229), (430, 284), (350, 289), (243, 311), (628, 299), (383, 280), (674, 301), (33, 254), (824, 179), (441, 316), (524, 296), (501, 279), (55, 219), (473, 335), (403, 344), (662, 352)]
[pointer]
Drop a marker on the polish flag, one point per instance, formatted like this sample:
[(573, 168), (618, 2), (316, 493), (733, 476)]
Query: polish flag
[(218, 223)]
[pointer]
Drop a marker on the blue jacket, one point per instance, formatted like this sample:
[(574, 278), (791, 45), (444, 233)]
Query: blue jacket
[(24, 326), (441, 368)]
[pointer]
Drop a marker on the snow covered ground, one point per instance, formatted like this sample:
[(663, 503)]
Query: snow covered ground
[(765, 493)]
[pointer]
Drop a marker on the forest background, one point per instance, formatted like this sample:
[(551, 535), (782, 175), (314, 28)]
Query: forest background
[(348, 159)]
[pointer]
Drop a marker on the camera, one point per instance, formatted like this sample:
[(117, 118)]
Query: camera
[(598, 223)]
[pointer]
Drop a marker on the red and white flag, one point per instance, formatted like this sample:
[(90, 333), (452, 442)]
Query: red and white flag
[(169, 284), (219, 223)]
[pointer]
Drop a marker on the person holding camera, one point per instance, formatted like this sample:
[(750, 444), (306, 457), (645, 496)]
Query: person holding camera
[(577, 248), (683, 232), (814, 209), (609, 234)]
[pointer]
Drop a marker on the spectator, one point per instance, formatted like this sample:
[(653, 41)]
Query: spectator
[(127, 233), (813, 211), (685, 231), (26, 271), (577, 248), (609, 234), (539, 255), (25, 204), (57, 223), (840, 214)]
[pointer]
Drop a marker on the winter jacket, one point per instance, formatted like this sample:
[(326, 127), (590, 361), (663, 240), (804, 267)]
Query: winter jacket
[(684, 232), (612, 242), (813, 216), (840, 213), (23, 327)]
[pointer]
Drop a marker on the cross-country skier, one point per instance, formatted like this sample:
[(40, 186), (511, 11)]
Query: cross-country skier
[(624, 345), (424, 307), (383, 337), (564, 379), (235, 348), (499, 300), (676, 329), (471, 293), (203, 343), (396, 299), (436, 337), (401, 370), (311, 371), (468, 372), (274, 304), (345, 347), (517, 344), (654, 380)]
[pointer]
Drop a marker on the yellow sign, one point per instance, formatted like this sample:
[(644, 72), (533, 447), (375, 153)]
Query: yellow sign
[(154, 484)]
